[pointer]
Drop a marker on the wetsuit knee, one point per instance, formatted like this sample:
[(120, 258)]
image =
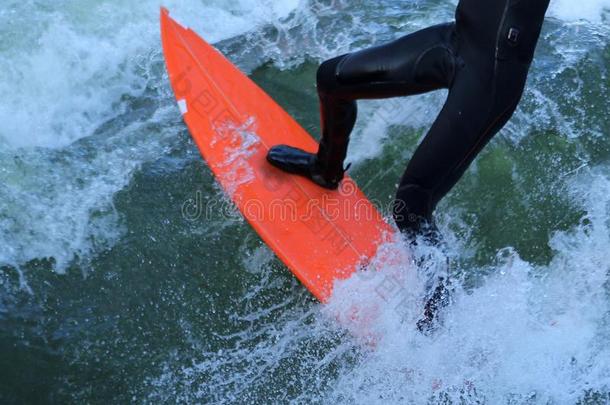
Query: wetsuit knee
[(435, 68), (326, 77)]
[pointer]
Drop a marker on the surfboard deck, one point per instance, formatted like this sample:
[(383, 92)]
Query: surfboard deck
[(322, 236)]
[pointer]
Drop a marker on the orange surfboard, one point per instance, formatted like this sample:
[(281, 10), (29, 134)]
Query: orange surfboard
[(322, 236)]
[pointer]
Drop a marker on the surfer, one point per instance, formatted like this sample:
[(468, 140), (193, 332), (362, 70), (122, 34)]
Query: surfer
[(483, 58)]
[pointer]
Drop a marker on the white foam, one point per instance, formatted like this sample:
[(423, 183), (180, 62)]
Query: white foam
[(69, 72), (65, 72), (527, 331), (568, 10), (183, 106)]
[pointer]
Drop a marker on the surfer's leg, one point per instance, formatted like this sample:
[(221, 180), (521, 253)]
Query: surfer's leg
[(413, 64), (473, 113), (471, 116), (488, 84), (486, 91)]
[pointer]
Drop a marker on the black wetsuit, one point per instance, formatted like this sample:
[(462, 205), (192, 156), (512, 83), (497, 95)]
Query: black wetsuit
[(482, 58)]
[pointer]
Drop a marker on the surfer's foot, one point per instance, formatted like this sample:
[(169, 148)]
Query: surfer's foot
[(296, 161), (439, 299), (433, 261)]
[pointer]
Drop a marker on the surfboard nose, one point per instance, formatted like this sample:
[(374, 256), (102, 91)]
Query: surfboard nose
[(321, 236)]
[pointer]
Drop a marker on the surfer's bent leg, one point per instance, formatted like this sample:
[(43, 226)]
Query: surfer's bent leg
[(483, 59), (491, 71), (417, 63)]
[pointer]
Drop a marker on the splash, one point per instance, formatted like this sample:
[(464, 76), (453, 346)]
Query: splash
[(85, 105), (243, 144), (526, 333), (595, 11)]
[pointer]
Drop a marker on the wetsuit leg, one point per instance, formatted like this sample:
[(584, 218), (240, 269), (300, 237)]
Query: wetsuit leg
[(483, 59), (416, 63), (496, 42)]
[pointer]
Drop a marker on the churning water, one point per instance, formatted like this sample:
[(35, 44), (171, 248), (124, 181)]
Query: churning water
[(109, 294)]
